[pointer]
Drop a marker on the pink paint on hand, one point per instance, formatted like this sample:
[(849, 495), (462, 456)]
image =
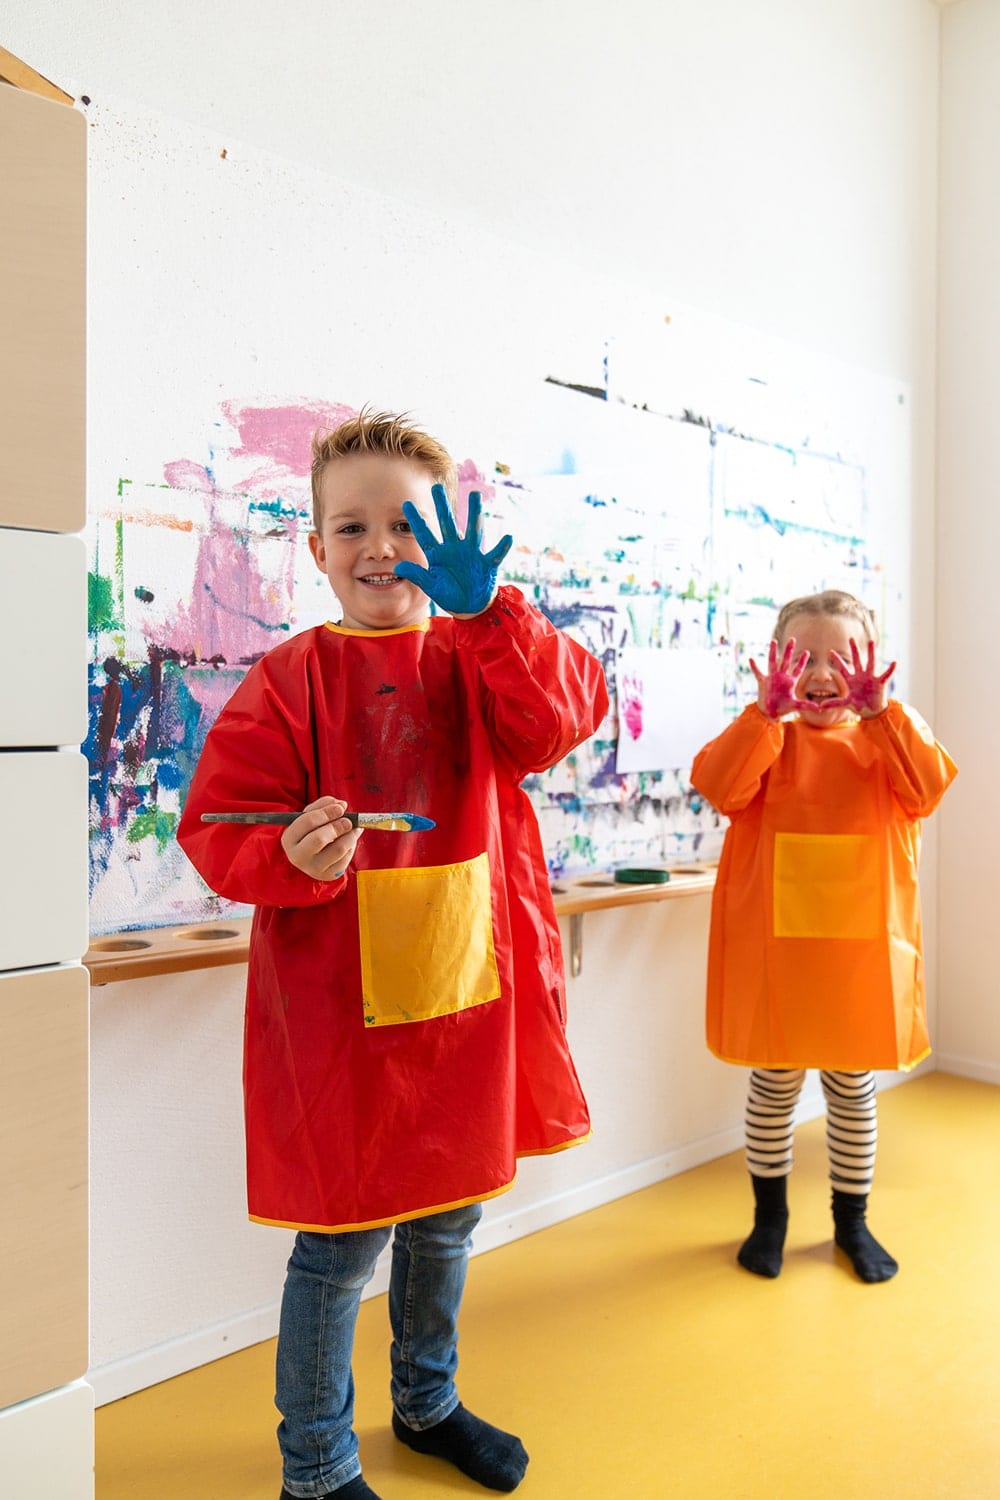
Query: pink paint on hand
[(865, 687), (776, 688)]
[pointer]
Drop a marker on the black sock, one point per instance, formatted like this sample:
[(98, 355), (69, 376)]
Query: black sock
[(870, 1260), (761, 1253), (355, 1489), (492, 1458)]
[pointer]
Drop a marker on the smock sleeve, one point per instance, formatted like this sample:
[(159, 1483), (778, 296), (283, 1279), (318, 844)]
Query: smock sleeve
[(255, 759), (920, 770), (729, 770), (546, 693)]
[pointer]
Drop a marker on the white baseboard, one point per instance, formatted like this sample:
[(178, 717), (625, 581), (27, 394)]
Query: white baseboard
[(968, 1067), (123, 1377), (147, 1367)]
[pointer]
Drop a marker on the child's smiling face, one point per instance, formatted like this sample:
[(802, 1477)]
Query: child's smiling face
[(821, 679), (364, 534)]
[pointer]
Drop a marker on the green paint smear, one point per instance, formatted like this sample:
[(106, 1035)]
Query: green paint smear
[(152, 824), (101, 611)]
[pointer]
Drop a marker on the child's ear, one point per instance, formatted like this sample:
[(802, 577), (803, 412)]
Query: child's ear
[(318, 550)]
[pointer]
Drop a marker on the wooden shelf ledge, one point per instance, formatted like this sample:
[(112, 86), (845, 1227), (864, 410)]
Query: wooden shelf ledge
[(208, 945)]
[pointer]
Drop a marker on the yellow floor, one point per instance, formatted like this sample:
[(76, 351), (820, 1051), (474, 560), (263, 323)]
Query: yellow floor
[(634, 1357)]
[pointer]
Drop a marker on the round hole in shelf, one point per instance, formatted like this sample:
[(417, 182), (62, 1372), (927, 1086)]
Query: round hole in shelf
[(120, 945), (601, 880), (208, 934)]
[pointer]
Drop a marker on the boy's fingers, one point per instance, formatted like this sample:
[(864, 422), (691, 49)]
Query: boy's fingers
[(497, 554), (474, 520), (423, 533), (412, 572), (445, 515)]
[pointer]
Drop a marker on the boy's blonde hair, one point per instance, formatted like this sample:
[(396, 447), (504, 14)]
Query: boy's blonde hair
[(380, 432), (829, 602)]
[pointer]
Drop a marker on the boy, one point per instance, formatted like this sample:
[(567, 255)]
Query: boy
[(405, 1029), (815, 945)]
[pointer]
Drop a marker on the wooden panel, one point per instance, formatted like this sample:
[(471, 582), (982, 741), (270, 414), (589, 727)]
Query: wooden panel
[(47, 1446), (205, 945), (42, 312), (43, 1180), (43, 858), (43, 639), (13, 70)]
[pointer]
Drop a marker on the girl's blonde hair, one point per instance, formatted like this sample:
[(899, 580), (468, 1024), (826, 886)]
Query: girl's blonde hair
[(829, 602), (380, 432)]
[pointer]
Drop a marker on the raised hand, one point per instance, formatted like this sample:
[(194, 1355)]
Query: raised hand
[(776, 688), (866, 689), (460, 577)]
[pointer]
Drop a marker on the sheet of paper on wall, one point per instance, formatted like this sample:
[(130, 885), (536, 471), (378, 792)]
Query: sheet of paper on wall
[(670, 703)]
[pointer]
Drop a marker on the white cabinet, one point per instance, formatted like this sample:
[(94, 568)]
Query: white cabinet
[(46, 1411), (43, 857), (43, 639), (47, 1446)]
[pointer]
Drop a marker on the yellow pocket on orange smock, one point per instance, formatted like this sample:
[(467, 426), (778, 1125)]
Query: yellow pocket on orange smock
[(827, 885), (426, 941)]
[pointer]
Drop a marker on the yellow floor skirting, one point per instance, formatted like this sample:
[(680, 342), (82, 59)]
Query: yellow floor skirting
[(635, 1358)]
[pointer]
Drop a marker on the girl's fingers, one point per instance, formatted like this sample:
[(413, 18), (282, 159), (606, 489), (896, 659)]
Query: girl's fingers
[(797, 669)]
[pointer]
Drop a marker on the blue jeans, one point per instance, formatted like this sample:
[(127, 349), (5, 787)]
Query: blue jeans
[(315, 1387)]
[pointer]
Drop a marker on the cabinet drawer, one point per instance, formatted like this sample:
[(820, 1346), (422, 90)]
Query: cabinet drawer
[(47, 1446), (43, 148), (43, 857), (43, 1180), (43, 639)]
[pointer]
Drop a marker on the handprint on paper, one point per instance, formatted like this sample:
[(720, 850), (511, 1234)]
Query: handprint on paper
[(630, 704)]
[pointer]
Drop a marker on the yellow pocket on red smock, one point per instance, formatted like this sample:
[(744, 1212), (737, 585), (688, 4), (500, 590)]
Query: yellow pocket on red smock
[(827, 885), (426, 941)]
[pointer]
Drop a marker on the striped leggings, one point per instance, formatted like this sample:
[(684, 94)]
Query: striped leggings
[(851, 1124)]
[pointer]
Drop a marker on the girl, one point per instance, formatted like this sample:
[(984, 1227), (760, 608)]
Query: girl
[(815, 947)]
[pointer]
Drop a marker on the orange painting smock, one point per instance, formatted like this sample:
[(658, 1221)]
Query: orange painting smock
[(815, 957)]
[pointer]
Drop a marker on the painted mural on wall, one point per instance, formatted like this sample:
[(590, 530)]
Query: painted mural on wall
[(653, 531), (668, 480)]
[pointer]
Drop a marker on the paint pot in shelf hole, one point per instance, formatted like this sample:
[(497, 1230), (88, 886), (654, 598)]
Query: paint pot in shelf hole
[(631, 876)]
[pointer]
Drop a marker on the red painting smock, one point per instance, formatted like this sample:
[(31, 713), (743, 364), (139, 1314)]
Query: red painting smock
[(405, 1032), (815, 956)]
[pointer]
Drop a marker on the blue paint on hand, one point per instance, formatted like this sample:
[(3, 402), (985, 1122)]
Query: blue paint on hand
[(459, 577)]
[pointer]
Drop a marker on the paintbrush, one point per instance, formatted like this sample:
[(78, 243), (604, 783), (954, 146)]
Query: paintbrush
[(385, 822)]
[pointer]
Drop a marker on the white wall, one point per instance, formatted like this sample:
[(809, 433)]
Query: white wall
[(968, 535), (772, 165)]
